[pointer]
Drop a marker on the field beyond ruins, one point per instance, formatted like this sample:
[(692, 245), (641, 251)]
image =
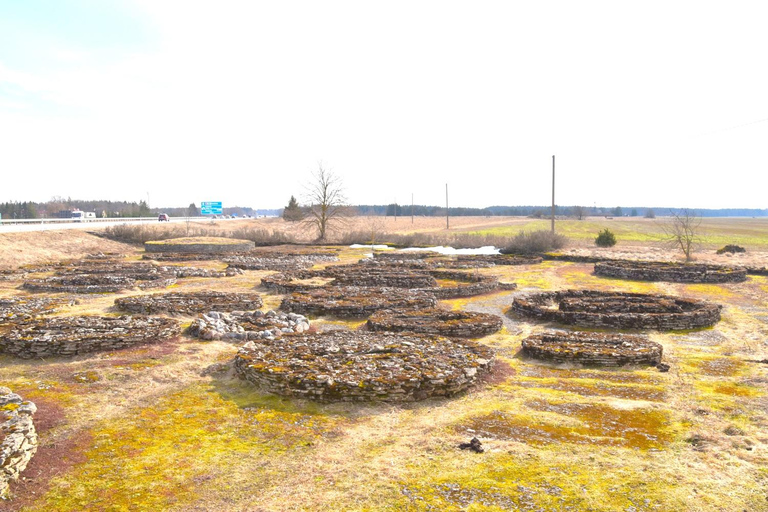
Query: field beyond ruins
[(171, 426)]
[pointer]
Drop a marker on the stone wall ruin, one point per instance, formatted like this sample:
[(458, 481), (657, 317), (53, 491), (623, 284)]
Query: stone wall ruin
[(357, 366), (592, 348), (189, 303), (70, 336), (672, 272), (436, 321), (620, 310)]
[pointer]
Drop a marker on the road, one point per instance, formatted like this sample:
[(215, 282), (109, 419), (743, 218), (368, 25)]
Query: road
[(8, 226)]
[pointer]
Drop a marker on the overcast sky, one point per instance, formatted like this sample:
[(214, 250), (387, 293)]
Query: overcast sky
[(643, 103)]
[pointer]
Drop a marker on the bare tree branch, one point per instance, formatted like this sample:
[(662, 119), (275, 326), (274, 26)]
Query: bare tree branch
[(326, 202), (683, 231)]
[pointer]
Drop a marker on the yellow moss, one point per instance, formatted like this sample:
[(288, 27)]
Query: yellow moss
[(158, 456), (711, 290)]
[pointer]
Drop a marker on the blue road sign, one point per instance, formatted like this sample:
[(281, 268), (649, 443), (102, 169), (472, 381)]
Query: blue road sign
[(210, 208)]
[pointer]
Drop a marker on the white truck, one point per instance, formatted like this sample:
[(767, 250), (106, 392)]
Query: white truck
[(80, 216)]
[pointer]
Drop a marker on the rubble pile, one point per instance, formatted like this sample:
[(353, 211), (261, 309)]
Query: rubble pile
[(355, 302), (242, 325), (673, 272), (69, 336), (189, 303), (622, 310), (18, 438), (438, 321), (359, 366), (592, 348)]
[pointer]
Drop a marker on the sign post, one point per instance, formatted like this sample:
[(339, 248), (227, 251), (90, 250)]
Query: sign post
[(211, 208)]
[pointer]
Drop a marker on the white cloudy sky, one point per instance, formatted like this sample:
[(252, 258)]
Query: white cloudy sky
[(644, 103)]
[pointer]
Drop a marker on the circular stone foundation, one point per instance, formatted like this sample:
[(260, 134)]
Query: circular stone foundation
[(673, 272), (356, 366), (279, 261), (200, 245), (189, 303), (22, 309), (69, 336), (354, 302), (442, 322), (95, 283), (622, 310), (592, 348)]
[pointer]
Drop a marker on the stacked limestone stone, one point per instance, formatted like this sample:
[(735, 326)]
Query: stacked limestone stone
[(621, 310), (189, 303), (591, 348), (18, 438), (358, 366), (672, 272), (355, 302), (279, 261), (437, 321), (21, 309), (69, 336)]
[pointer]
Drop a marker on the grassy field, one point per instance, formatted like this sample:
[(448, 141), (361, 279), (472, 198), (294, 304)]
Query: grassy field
[(170, 427)]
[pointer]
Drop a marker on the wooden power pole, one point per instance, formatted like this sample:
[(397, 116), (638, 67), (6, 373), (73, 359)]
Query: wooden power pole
[(553, 194)]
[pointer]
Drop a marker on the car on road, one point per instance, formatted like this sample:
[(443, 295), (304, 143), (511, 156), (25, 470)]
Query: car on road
[(163, 217)]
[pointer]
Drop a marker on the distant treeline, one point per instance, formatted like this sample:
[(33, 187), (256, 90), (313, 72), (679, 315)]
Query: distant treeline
[(104, 208), (545, 211)]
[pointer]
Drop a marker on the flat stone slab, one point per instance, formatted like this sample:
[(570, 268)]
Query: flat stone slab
[(592, 348), (354, 302), (621, 310), (200, 245), (672, 272), (357, 366), (189, 303), (437, 321), (69, 336)]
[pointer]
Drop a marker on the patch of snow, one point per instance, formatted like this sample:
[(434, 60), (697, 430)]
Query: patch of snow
[(488, 249), (372, 247)]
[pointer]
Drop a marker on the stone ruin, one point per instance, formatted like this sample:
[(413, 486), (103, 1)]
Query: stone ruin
[(97, 276), (354, 302), (200, 245), (189, 303), (620, 310), (673, 272), (279, 261), (18, 438), (70, 336), (357, 366), (592, 348), (461, 261), (243, 326), (492, 260), (425, 281), (437, 321), (22, 309)]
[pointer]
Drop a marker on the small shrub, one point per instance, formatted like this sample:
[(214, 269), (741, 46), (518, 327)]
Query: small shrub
[(605, 238), (261, 237), (535, 242), (732, 249)]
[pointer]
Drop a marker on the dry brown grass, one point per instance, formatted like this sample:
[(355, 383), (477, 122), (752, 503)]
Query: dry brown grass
[(17, 249)]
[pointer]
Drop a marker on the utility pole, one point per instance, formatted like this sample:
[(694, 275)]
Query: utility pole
[(447, 225), (553, 194), (411, 207)]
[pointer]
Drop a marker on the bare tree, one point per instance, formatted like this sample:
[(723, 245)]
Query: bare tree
[(579, 212), (327, 204), (682, 231)]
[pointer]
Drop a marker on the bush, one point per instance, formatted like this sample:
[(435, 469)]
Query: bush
[(605, 239), (732, 249), (535, 242)]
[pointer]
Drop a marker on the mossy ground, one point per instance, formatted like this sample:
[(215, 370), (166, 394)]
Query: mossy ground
[(169, 427)]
